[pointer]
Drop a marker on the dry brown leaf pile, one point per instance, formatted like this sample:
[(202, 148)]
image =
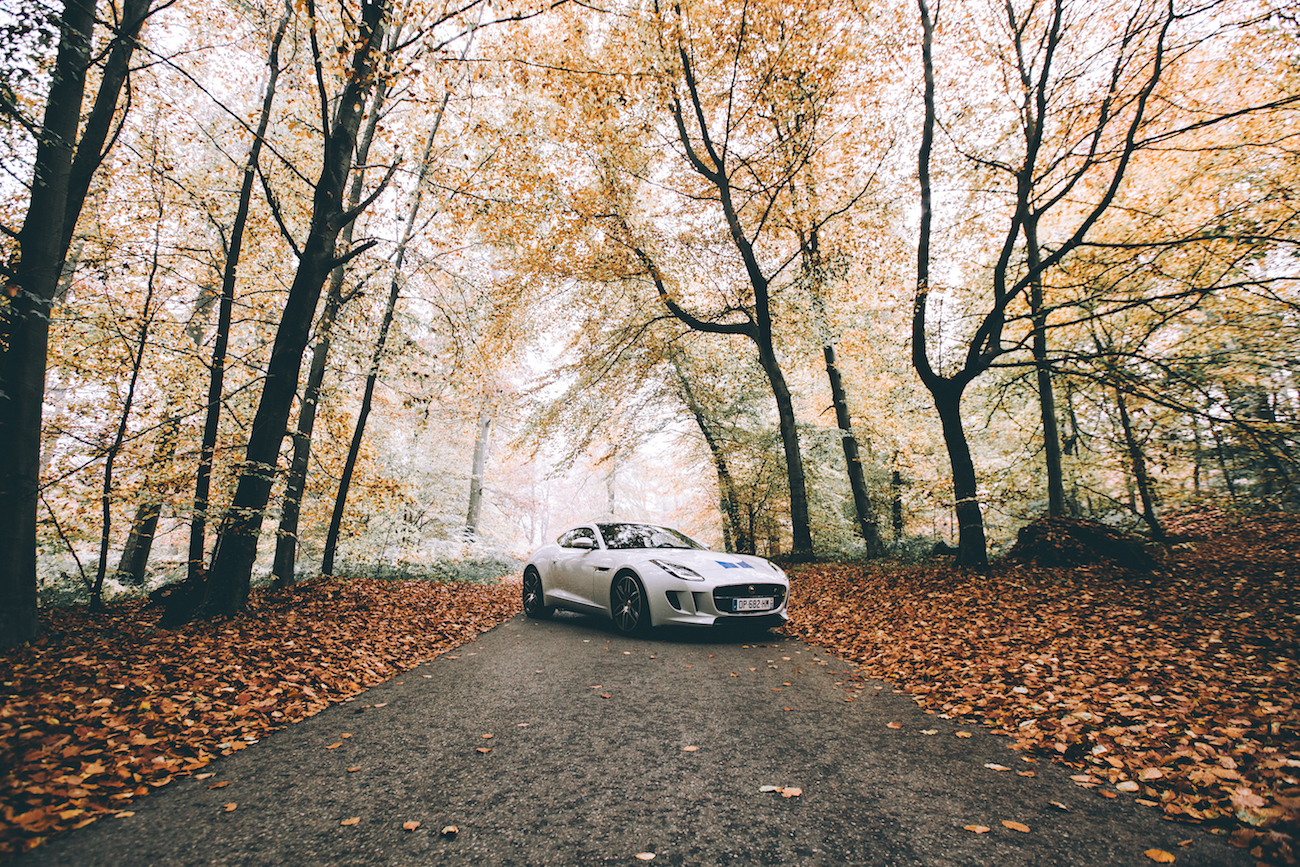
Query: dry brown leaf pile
[(103, 708), (1178, 683)]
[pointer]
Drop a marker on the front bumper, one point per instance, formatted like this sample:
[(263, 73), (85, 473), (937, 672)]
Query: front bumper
[(687, 606)]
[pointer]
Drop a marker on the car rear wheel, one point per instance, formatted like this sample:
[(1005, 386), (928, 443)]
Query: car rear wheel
[(628, 605), (533, 598)]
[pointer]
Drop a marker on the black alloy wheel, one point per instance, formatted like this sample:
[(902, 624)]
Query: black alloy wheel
[(533, 598), (628, 605)]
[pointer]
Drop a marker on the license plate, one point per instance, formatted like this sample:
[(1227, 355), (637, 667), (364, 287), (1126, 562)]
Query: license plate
[(756, 603)]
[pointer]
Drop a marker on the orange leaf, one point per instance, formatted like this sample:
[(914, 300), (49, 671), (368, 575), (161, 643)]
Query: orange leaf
[(1016, 826), (894, 725), (334, 746), (410, 826), (230, 808), (978, 829), (354, 820), (1160, 856)]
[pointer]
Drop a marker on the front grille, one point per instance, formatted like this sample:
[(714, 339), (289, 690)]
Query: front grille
[(723, 597)]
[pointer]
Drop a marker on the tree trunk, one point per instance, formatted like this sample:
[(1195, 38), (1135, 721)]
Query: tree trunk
[(227, 583), (477, 472), (340, 500), (896, 488), (1043, 370), (735, 534), (110, 456), (972, 548), (358, 434), (799, 523), (25, 327), (868, 525), (286, 539), (176, 612), (1139, 467)]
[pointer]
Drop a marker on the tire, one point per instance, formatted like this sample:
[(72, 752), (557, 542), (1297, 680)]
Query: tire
[(628, 605), (533, 598)]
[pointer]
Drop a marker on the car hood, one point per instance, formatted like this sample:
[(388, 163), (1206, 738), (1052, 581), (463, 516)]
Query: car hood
[(716, 563)]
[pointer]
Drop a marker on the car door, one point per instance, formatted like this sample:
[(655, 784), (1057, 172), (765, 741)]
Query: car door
[(571, 573)]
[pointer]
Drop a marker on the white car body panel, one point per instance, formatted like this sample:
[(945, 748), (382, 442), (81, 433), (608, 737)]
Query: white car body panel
[(580, 579)]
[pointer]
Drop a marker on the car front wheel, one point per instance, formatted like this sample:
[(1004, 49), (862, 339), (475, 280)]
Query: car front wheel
[(533, 599), (628, 605)]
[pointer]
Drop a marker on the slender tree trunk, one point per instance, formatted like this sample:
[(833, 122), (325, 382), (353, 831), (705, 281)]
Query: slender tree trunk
[(227, 584), (868, 525), (110, 457), (1139, 467), (340, 501), (896, 488), (477, 472), (225, 314), (736, 536), (286, 538), (1043, 370), (358, 434), (135, 554), (25, 326)]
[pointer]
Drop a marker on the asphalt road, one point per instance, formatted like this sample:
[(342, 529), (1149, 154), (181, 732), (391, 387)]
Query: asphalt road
[(588, 763)]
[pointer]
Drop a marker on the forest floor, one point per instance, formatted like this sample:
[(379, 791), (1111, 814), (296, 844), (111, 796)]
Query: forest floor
[(1174, 685)]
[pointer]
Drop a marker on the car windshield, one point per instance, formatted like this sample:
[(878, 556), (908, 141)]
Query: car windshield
[(622, 536)]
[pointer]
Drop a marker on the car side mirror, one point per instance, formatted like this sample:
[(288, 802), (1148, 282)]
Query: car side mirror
[(589, 544)]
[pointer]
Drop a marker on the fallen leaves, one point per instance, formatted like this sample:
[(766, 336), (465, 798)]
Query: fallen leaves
[(1015, 826), (783, 791), (111, 696), (410, 826), (1160, 856), (978, 829), (353, 821), (1177, 683)]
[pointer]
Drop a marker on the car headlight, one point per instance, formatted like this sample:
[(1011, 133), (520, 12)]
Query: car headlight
[(678, 571)]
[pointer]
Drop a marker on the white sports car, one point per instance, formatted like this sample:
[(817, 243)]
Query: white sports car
[(641, 575)]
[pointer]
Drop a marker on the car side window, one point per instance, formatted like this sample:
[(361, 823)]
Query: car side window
[(567, 540)]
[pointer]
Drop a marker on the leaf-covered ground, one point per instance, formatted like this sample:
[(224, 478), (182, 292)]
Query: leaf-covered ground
[(1176, 686), (105, 707)]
